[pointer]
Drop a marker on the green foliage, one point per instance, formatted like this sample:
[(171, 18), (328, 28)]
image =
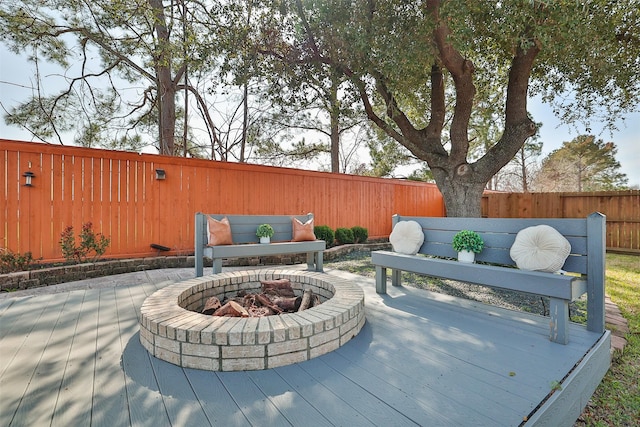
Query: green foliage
[(519, 174), (344, 236), (149, 45), (386, 155), (466, 240), (324, 232), (264, 230), (360, 234), (583, 164), (90, 248), (423, 174), (436, 78), (10, 261)]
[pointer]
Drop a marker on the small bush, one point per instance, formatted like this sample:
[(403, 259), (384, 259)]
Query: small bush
[(324, 232), (89, 242), (360, 234), (344, 236), (10, 261)]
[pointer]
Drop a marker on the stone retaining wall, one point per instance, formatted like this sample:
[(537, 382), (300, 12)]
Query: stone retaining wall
[(39, 277)]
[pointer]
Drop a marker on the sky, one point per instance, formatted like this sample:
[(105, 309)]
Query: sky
[(16, 76)]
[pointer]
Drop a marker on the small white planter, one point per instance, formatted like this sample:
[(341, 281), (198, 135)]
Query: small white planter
[(265, 240), (467, 256)]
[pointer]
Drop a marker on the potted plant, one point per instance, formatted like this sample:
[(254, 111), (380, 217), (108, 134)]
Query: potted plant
[(265, 232), (467, 243)]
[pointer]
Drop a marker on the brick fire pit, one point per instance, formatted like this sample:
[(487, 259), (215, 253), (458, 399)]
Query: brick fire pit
[(172, 329)]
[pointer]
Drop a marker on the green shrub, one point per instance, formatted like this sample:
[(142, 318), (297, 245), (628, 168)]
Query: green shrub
[(344, 236), (89, 242), (360, 234), (324, 232), (10, 261)]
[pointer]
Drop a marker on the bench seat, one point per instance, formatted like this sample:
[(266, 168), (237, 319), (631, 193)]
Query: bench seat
[(532, 282), (314, 250)]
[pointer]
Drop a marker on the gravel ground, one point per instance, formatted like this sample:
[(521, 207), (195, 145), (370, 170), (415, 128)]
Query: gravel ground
[(359, 262)]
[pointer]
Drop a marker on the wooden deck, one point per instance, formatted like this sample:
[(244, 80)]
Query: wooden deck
[(74, 359)]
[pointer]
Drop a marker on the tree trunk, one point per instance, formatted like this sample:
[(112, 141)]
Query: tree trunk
[(462, 198), (334, 114), (165, 85), (525, 175)]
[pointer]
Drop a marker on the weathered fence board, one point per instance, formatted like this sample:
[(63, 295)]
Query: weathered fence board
[(622, 209), (119, 193)]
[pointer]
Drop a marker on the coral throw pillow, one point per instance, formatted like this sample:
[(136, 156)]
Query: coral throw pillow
[(302, 232), (407, 237), (219, 232), (540, 248)]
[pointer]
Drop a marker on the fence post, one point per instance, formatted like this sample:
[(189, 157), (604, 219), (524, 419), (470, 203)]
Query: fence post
[(596, 241)]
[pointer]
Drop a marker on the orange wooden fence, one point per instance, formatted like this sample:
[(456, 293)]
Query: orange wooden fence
[(622, 209), (119, 193)]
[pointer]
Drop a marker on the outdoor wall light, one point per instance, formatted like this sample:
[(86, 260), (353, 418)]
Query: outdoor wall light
[(28, 175), (160, 174)]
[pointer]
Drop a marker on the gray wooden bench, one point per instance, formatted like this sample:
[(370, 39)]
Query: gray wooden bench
[(245, 241), (585, 264)]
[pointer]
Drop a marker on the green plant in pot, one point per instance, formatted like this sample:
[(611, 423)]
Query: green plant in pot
[(467, 243), (265, 233)]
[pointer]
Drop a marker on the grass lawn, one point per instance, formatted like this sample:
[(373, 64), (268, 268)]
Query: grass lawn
[(616, 401)]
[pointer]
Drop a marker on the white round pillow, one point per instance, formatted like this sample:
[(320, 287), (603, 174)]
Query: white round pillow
[(407, 237), (540, 248)]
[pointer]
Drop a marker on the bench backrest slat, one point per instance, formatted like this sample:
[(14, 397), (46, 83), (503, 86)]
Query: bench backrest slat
[(498, 235), (243, 227)]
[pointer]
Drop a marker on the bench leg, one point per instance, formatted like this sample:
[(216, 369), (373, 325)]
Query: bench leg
[(199, 261), (559, 324), (314, 261), (381, 279), (396, 277), (217, 265)]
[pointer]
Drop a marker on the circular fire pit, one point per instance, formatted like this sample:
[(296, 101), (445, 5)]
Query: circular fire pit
[(172, 330)]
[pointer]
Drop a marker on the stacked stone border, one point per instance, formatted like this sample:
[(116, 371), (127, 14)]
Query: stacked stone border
[(40, 276), (170, 331)]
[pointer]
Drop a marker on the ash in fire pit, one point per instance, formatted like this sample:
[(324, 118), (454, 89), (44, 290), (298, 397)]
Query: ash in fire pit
[(276, 297), (173, 328)]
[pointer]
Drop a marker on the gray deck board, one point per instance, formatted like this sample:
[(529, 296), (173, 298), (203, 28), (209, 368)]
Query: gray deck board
[(38, 402), (28, 342), (217, 403), (254, 404), (183, 409), (294, 408), (73, 406), (109, 406), (74, 358), (337, 411)]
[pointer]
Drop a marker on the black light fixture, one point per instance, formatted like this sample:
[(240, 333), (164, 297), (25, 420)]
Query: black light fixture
[(28, 175), (160, 174)]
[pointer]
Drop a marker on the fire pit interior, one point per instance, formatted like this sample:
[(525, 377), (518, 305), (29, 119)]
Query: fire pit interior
[(173, 328)]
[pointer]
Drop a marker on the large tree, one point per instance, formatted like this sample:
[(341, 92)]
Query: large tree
[(422, 70), (311, 102), (583, 164), (106, 47)]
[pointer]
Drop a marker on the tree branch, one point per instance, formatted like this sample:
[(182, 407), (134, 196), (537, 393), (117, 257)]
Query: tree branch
[(461, 69)]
